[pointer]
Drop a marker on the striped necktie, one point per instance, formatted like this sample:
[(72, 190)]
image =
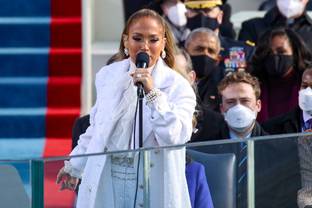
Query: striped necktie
[(308, 124), (242, 176)]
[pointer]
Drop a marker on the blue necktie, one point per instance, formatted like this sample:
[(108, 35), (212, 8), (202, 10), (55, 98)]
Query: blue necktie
[(307, 124), (242, 175), (242, 164)]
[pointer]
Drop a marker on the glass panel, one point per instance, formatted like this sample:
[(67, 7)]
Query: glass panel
[(15, 187), (215, 163), (258, 172), (225, 165), (277, 169), (111, 179)]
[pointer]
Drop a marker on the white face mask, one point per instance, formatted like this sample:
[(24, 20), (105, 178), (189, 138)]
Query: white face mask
[(305, 100), (240, 117), (176, 14), (290, 8)]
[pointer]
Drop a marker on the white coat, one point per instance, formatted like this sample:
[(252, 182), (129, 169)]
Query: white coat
[(168, 121)]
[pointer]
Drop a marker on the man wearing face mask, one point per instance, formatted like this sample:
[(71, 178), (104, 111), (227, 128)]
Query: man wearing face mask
[(174, 12), (203, 46), (276, 162), (286, 13), (269, 4), (240, 104), (235, 55)]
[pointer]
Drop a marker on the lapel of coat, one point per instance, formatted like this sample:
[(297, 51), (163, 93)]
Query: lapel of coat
[(162, 75), (119, 88), (114, 96)]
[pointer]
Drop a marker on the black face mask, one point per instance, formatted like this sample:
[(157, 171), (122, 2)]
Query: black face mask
[(202, 21), (203, 65), (278, 65)]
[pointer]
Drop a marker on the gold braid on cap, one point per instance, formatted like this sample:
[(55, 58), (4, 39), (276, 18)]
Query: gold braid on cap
[(193, 4)]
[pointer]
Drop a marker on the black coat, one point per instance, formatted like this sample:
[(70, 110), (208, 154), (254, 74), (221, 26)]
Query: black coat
[(80, 126), (289, 122), (208, 97), (252, 29), (208, 127)]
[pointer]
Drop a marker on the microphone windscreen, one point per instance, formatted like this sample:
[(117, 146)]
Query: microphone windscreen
[(142, 60)]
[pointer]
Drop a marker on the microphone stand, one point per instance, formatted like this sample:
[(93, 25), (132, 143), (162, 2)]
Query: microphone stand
[(140, 93), (146, 156)]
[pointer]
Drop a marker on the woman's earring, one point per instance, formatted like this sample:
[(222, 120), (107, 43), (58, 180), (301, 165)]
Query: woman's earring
[(126, 51), (163, 54)]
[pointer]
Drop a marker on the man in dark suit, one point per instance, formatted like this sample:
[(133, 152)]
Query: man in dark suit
[(240, 104), (234, 54), (275, 163), (203, 46)]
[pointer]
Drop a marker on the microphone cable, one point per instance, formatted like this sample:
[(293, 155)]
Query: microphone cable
[(134, 147)]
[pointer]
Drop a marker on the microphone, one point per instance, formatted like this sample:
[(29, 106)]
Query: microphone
[(141, 61)]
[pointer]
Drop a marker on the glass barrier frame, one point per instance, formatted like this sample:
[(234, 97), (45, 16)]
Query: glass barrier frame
[(37, 165)]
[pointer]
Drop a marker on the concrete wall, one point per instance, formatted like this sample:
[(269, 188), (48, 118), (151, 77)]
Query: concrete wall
[(242, 5), (108, 19)]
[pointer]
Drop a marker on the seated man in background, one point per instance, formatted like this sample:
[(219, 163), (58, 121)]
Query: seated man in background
[(277, 177), (276, 168), (203, 116), (269, 4), (240, 105), (235, 55), (203, 46)]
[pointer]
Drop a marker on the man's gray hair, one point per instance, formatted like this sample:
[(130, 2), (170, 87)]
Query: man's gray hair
[(209, 32)]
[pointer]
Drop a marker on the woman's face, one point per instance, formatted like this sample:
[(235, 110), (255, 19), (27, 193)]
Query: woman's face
[(281, 46), (280, 63), (145, 34)]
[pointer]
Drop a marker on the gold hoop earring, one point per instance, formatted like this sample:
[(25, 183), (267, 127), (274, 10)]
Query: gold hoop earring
[(163, 54), (126, 51)]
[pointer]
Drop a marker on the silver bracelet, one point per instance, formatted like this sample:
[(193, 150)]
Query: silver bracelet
[(152, 95)]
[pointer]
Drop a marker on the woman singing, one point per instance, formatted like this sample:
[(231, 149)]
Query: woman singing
[(111, 180)]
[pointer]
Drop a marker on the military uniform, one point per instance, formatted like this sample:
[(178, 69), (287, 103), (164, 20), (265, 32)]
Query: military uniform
[(252, 29), (235, 54)]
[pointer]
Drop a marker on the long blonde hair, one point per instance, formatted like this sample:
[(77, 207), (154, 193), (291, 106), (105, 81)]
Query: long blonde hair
[(170, 46)]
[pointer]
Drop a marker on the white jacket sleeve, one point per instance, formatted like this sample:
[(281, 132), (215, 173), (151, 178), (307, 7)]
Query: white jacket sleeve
[(76, 165), (171, 116)]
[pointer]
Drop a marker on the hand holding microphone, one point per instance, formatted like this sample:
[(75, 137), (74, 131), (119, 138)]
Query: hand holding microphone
[(141, 76)]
